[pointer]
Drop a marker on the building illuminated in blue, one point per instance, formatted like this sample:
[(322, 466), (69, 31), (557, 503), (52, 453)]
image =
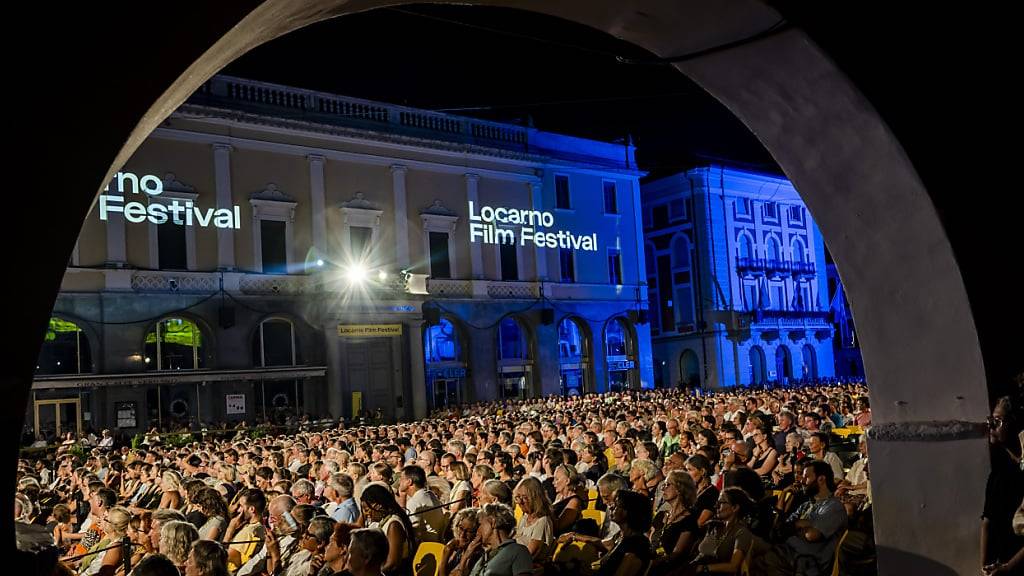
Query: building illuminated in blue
[(736, 277)]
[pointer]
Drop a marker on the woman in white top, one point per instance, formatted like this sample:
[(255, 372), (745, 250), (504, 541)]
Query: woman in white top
[(462, 490), (534, 529)]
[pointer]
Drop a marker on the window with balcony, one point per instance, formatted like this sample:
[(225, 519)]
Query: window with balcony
[(274, 247), (172, 247), (274, 344), (440, 259), (509, 261), (65, 349), (175, 344)]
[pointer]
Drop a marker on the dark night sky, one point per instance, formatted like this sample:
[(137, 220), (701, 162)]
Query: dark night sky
[(507, 65)]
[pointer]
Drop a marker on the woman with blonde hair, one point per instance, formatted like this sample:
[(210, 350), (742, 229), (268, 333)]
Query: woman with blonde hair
[(569, 502), (115, 527), (535, 529), (176, 538), (675, 530), (170, 484)]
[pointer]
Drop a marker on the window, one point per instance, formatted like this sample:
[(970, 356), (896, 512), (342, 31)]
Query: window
[(660, 216), (274, 344), (798, 251), (677, 210), (570, 342), (511, 342), (562, 192), (440, 263), (273, 246), (509, 261), (778, 298), (683, 304), (65, 350), (567, 264), (742, 207), (771, 249), (614, 266), (442, 343), (770, 211), (175, 344), (616, 339), (796, 215), (746, 247), (611, 205), (680, 253), (359, 242), (171, 246), (749, 296)]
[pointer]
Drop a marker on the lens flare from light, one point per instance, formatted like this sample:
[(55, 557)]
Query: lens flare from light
[(382, 275), (356, 274)]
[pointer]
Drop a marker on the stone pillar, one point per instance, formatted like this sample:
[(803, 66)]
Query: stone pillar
[(476, 257), (541, 254), (222, 183), (417, 370), (546, 365), (401, 221), (316, 203), (335, 393)]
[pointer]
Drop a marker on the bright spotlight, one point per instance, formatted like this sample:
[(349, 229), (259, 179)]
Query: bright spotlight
[(382, 275), (356, 273), (319, 262)]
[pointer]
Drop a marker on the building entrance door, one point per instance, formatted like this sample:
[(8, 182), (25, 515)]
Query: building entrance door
[(54, 418), (367, 366)]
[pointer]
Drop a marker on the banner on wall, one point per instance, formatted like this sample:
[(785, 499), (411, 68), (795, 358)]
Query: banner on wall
[(369, 330), (235, 403)]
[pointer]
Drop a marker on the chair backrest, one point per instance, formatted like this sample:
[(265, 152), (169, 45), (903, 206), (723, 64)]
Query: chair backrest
[(592, 499), (595, 515), (427, 561), (563, 545), (519, 513), (839, 547)]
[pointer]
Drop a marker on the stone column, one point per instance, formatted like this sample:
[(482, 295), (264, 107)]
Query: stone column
[(476, 257), (316, 203), (540, 254), (401, 218), (222, 183), (417, 370)]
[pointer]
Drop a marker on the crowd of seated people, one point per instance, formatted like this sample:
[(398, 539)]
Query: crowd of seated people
[(641, 482)]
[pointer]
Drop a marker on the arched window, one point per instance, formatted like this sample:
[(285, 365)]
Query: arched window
[(810, 369), (783, 364), (689, 368), (680, 252), (65, 349), (746, 247), (441, 343), (772, 249), (511, 340), (573, 358), (758, 375), (175, 344), (798, 251), (616, 339), (274, 344), (570, 341)]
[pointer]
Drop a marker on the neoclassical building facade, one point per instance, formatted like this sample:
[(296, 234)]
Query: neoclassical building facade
[(271, 250), (736, 281)]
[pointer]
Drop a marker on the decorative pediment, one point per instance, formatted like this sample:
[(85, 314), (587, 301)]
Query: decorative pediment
[(272, 194), (172, 184), (438, 209), (359, 202)]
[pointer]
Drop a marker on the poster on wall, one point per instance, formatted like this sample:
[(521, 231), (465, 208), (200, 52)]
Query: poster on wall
[(235, 403), (125, 414)]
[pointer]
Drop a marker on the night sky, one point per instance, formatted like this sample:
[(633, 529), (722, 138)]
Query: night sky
[(512, 66)]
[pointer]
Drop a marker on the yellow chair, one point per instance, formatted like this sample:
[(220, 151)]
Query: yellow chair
[(595, 515), (519, 513), (839, 547), (592, 499), (427, 561)]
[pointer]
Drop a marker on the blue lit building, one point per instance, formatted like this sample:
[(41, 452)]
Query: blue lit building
[(849, 364), (736, 281)]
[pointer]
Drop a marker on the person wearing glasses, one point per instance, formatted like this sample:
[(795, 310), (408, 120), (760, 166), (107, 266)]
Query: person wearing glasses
[(728, 539), (1002, 550), (765, 457), (458, 559), (312, 545)]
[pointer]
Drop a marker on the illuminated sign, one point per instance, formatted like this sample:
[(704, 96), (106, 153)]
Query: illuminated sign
[(450, 372), (368, 330), (496, 225), (176, 210), (620, 365)]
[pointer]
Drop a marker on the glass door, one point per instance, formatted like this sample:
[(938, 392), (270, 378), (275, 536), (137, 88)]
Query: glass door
[(55, 418)]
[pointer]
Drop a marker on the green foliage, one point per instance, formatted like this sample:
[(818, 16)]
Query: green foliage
[(137, 440)]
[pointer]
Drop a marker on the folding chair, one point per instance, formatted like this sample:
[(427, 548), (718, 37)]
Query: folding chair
[(427, 561)]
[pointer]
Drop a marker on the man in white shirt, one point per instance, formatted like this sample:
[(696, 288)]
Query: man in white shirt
[(108, 439), (818, 445), (428, 519)]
